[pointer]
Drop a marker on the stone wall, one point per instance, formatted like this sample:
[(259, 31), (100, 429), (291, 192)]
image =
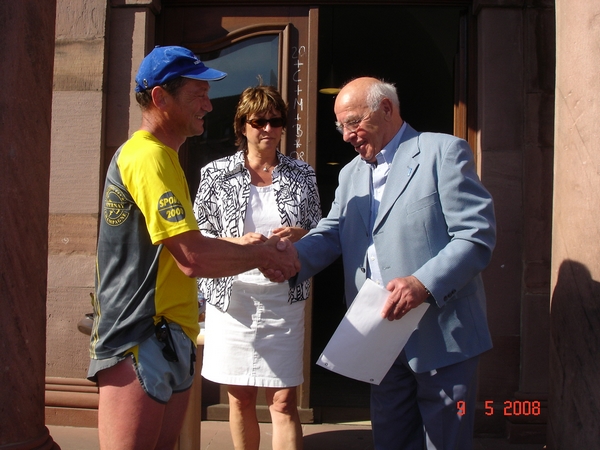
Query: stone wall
[(77, 141), (574, 420)]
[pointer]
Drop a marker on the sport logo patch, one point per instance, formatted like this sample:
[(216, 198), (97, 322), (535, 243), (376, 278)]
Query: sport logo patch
[(116, 207), (170, 208)]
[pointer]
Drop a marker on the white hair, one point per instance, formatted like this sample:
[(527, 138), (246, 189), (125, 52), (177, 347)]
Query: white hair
[(380, 90)]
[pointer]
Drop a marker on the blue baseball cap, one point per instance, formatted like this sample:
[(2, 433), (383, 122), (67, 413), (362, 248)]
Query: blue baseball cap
[(167, 63)]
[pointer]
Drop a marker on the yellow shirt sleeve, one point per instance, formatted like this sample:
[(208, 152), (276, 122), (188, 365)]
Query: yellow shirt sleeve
[(153, 175)]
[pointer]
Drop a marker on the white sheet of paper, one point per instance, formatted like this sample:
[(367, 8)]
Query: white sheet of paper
[(364, 345)]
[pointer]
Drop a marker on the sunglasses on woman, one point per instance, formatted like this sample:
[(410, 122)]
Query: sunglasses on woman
[(275, 122)]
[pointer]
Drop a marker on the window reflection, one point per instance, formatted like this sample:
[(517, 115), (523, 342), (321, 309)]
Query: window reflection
[(244, 62)]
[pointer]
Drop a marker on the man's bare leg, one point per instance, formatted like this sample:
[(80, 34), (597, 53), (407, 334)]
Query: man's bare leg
[(128, 419), (173, 420)]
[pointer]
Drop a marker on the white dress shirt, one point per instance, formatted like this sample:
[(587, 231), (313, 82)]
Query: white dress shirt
[(379, 173)]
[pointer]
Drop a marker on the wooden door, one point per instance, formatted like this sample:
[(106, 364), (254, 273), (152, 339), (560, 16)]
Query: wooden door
[(247, 42)]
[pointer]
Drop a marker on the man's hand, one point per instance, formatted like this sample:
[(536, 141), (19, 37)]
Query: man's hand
[(284, 264), (405, 294)]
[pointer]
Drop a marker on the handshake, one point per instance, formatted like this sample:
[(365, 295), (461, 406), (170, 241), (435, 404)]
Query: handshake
[(281, 262)]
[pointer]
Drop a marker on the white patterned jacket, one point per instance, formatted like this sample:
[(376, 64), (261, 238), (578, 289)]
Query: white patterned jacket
[(221, 204)]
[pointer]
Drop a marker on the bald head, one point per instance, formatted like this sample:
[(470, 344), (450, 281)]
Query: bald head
[(372, 91), (359, 87), (368, 112)]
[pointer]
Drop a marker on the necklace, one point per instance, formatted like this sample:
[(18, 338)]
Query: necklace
[(265, 168)]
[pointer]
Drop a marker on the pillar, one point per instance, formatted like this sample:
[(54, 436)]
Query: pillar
[(27, 53), (515, 81)]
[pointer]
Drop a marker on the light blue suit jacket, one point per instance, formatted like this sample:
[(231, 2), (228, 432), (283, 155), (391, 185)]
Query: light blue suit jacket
[(436, 222)]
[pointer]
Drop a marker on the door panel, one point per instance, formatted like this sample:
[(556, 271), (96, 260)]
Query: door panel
[(247, 42), (419, 50)]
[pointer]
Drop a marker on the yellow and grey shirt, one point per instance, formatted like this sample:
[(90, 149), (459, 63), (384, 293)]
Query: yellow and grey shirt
[(146, 200)]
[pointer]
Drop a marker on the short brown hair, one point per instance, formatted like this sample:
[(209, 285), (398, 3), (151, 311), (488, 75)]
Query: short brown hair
[(144, 98), (254, 100)]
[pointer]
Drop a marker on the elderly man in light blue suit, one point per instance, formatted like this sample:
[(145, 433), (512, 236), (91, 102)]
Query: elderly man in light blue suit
[(411, 213)]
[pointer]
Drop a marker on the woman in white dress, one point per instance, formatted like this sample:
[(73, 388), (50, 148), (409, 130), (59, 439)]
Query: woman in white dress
[(255, 328)]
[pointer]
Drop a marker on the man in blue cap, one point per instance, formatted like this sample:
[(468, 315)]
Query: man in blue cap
[(149, 252)]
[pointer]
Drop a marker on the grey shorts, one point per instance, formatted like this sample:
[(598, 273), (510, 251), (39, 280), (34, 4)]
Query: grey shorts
[(159, 378)]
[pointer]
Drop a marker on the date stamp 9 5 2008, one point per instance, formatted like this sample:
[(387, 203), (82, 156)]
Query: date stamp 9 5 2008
[(509, 408)]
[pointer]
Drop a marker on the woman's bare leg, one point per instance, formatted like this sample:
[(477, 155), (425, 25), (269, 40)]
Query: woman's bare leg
[(243, 421), (287, 430)]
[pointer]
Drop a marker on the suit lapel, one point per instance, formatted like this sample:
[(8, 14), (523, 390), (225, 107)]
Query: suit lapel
[(403, 168)]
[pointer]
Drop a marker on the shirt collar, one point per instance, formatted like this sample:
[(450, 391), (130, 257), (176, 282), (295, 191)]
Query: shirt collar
[(387, 153)]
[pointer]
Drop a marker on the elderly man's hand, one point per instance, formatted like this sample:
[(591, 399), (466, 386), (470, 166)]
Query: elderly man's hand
[(405, 294), (283, 263)]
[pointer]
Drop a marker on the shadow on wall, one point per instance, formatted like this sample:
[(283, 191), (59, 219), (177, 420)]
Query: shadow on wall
[(574, 401)]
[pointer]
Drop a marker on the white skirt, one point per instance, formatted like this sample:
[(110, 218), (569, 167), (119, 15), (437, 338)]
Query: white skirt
[(258, 341)]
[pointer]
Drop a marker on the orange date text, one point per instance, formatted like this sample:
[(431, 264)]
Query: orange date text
[(509, 408)]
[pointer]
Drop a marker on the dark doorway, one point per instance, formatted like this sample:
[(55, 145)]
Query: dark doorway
[(416, 49)]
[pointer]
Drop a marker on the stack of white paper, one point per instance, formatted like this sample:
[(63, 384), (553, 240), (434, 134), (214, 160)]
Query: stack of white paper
[(365, 345)]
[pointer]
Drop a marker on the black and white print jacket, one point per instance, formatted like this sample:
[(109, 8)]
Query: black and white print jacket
[(221, 204)]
